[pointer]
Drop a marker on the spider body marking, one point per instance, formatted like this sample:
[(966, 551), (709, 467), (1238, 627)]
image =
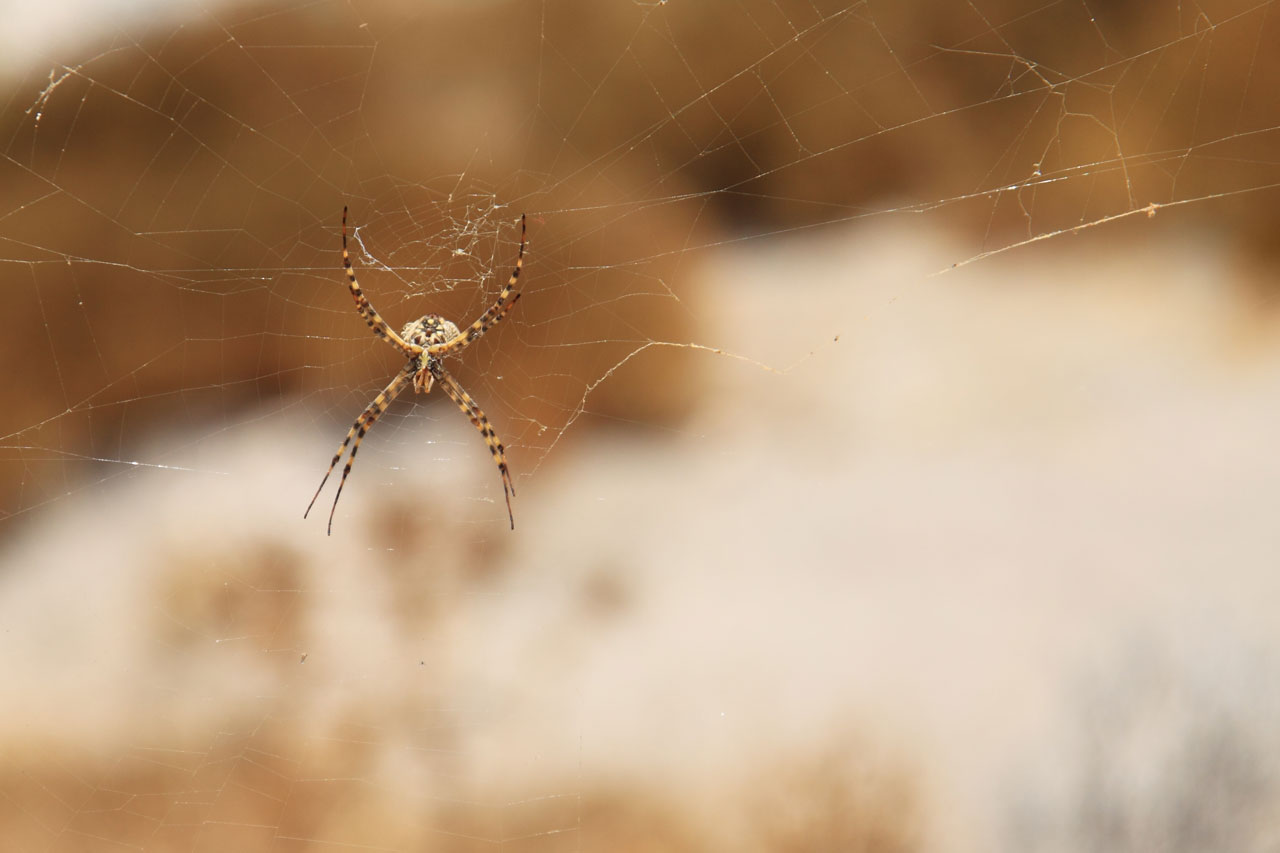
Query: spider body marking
[(424, 343), (426, 332)]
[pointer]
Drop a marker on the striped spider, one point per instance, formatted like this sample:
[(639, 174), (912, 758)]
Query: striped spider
[(425, 342)]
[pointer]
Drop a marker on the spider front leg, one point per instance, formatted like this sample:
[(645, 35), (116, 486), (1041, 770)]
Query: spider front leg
[(494, 314), (478, 419), (366, 309), (363, 424)]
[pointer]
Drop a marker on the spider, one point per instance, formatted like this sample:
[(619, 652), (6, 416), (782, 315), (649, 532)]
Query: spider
[(425, 342)]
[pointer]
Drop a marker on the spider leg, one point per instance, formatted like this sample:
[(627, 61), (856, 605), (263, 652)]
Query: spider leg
[(372, 317), (494, 314), (478, 419), (363, 424)]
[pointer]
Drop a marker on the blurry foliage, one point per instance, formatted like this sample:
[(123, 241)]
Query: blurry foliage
[(169, 212), (245, 795), (1174, 757)]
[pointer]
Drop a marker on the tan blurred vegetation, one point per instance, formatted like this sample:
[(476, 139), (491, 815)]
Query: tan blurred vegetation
[(169, 219), (248, 798), (220, 733)]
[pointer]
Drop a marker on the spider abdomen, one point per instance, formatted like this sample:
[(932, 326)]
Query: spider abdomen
[(429, 330)]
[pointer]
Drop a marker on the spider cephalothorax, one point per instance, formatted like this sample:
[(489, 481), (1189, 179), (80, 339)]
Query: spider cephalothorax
[(425, 342), (428, 331)]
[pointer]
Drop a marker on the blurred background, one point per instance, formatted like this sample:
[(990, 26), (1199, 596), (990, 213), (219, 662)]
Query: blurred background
[(890, 406)]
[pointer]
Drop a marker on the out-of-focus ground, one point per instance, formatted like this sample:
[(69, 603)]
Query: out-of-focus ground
[(991, 567)]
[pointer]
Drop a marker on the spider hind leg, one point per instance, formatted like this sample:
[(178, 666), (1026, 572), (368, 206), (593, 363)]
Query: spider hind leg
[(478, 419), (363, 424)]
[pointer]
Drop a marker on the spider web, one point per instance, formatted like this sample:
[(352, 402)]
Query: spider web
[(738, 211)]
